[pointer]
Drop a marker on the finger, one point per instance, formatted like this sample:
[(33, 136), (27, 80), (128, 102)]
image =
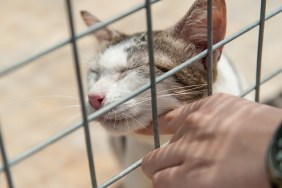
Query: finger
[(168, 177), (162, 158), (181, 177)]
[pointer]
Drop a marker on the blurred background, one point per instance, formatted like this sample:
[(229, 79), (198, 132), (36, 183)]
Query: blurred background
[(40, 99)]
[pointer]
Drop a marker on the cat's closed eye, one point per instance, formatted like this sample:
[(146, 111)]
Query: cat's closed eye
[(91, 71), (93, 76), (125, 69)]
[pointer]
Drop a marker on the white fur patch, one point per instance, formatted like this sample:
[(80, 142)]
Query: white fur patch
[(108, 66), (227, 80), (114, 58)]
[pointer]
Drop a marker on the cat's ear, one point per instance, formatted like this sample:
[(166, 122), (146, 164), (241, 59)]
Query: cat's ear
[(105, 34), (193, 26)]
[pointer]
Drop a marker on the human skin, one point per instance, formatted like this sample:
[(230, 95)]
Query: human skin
[(220, 141)]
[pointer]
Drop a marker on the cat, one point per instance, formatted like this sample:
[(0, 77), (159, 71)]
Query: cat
[(122, 66)]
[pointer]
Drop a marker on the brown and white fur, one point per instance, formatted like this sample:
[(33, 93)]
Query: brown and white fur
[(122, 66)]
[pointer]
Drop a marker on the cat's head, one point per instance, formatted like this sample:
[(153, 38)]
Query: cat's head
[(122, 66)]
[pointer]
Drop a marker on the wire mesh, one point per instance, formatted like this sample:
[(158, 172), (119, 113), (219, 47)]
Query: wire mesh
[(8, 163)]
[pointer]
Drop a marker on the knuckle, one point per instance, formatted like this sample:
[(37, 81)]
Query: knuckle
[(194, 118), (220, 96), (217, 96), (168, 117), (146, 167), (158, 180), (150, 164)]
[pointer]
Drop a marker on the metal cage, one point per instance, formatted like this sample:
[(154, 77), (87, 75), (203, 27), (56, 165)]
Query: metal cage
[(8, 163)]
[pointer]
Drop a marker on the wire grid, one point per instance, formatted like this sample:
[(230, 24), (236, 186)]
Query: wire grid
[(8, 163)]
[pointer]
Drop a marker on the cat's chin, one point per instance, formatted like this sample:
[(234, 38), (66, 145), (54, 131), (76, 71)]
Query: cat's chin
[(121, 126)]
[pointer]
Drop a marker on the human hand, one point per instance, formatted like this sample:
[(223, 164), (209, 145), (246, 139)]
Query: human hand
[(220, 141)]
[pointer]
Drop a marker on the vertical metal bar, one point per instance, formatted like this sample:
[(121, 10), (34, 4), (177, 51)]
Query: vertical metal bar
[(210, 46), (260, 45), (152, 74), (81, 95), (5, 161)]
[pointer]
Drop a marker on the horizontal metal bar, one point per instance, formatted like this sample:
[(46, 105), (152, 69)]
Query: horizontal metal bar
[(247, 28), (137, 92), (125, 172), (54, 47), (15, 66), (267, 78), (122, 174), (44, 144)]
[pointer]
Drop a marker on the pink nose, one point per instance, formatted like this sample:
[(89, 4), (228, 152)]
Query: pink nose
[(96, 101)]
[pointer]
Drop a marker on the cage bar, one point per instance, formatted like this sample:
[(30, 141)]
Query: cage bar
[(81, 95), (210, 45), (152, 74), (7, 169), (260, 46)]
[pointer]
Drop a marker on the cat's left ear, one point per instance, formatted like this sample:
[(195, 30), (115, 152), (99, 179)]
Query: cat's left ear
[(105, 34), (193, 26)]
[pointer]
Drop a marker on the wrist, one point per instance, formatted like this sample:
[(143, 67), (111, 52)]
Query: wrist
[(274, 159)]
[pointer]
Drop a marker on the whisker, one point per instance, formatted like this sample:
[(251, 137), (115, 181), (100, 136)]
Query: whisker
[(42, 116), (189, 88), (178, 88), (67, 121), (183, 93), (62, 108), (172, 94), (31, 99), (54, 96), (126, 118), (67, 107), (115, 118), (134, 120)]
